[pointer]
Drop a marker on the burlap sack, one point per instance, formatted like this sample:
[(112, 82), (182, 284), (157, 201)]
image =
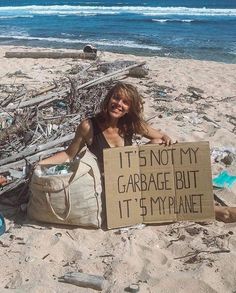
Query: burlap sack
[(72, 199)]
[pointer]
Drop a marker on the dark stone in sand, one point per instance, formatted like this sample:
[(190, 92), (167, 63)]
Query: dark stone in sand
[(90, 49)]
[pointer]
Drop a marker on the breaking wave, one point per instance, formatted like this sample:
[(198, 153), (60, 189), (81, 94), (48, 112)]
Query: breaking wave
[(174, 20), (84, 10)]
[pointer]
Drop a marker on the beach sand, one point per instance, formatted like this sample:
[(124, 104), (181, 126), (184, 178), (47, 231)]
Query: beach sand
[(202, 98)]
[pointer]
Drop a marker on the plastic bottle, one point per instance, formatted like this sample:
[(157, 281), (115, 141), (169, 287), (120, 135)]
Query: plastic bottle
[(2, 225), (62, 169)]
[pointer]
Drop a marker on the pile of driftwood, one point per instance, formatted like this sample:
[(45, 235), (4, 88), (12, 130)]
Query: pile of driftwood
[(36, 125)]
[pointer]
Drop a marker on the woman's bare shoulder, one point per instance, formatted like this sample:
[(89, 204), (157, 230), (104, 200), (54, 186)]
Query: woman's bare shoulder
[(85, 130), (85, 126)]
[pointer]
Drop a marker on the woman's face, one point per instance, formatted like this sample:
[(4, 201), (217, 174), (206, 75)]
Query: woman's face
[(119, 105)]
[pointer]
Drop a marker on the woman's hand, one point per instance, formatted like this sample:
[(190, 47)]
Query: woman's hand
[(164, 139)]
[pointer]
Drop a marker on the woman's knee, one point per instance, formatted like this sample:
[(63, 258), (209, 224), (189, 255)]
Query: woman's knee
[(223, 214)]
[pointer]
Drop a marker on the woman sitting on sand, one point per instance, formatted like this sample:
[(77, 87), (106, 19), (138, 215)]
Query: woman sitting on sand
[(121, 116)]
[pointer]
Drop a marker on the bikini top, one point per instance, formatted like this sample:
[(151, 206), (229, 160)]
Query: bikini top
[(99, 143)]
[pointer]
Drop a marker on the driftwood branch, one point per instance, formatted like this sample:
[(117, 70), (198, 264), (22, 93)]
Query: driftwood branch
[(108, 76), (30, 159), (51, 55), (197, 252), (13, 185), (48, 101), (36, 148), (37, 100), (44, 90)]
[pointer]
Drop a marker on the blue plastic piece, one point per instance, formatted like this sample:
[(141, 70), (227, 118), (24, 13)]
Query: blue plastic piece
[(224, 179), (2, 225)]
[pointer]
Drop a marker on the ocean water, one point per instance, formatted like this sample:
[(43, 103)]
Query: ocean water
[(184, 29)]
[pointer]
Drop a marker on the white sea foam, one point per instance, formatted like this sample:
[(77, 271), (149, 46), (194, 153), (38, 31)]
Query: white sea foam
[(16, 16), (144, 10), (232, 52), (67, 35), (117, 43), (186, 20), (172, 20), (160, 20)]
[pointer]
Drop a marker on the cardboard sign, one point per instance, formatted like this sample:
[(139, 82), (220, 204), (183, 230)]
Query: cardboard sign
[(153, 184)]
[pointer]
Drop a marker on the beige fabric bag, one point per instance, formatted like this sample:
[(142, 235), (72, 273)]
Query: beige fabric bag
[(72, 199)]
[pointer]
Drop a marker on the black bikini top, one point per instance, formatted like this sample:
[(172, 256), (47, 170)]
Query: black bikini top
[(99, 143)]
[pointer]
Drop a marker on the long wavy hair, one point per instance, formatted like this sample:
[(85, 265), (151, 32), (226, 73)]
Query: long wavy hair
[(132, 122)]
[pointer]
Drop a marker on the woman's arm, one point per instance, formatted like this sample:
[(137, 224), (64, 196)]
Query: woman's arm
[(156, 136), (225, 214), (83, 135)]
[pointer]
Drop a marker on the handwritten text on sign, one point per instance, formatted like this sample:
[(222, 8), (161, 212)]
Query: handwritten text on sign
[(152, 183)]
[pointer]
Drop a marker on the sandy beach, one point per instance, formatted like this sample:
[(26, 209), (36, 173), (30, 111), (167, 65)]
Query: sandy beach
[(199, 105)]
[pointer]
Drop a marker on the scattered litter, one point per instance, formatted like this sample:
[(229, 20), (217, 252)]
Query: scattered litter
[(3, 180), (70, 263), (225, 196), (181, 237), (21, 243), (45, 256), (13, 237), (75, 69), (138, 72), (18, 73), (6, 120), (58, 235), (194, 119), (228, 159), (61, 105), (49, 129), (133, 288), (179, 117), (107, 255), (223, 154), (17, 226), (161, 93), (128, 229), (232, 120), (212, 121), (224, 179), (107, 67), (193, 231), (84, 280), (29, 259), (67, 233), (15, 281), (3, 244), (38, 227), (195, 90), (16, 174)]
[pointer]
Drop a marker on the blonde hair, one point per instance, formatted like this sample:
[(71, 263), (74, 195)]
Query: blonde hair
[(132, 122)]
